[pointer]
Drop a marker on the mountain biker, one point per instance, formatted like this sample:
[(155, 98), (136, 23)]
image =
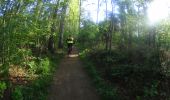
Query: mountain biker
[(70, 42)]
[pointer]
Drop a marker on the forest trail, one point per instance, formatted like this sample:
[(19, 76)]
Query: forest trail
[(71, 82)]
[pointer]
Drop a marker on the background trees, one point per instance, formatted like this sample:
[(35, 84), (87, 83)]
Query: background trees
[(129, 56), (36, 24), (29, 30)]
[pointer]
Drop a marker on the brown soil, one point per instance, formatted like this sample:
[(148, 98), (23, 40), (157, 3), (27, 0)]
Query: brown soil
[(71, 82)]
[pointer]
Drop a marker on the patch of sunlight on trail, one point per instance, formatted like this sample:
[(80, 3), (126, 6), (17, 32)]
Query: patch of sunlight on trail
[(73, 55)]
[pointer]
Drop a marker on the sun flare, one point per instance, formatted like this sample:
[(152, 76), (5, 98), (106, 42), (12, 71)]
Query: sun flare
[(158, 10)]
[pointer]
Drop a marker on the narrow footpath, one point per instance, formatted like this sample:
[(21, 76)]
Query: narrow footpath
[(71, 82)]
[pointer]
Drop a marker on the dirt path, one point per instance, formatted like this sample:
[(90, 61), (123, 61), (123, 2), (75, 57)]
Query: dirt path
[(71, 82)]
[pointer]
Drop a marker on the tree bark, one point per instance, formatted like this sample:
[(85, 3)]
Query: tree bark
[(107, 33), (61, 29), (98, 11)]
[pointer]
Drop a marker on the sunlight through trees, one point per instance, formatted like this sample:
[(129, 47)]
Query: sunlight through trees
[(126, 41)]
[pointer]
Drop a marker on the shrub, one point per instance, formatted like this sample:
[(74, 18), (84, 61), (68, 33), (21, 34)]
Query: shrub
[(44, 66), (2, 88), (17, 93)]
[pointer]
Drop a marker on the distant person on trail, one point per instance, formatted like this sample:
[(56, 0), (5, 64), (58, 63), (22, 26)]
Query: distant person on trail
[(70, 42)]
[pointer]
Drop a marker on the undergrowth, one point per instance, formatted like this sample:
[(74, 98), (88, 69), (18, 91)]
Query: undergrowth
[(127, 76), (106, 91), (36, 89)]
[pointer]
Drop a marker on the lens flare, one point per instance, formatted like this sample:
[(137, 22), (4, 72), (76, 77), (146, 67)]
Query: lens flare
[(158, 10)]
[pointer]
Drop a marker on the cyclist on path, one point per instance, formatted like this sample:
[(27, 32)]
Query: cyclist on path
[(70, 42)]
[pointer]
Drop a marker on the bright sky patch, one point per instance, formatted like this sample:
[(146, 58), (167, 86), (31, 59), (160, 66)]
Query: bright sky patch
[(158, 10)]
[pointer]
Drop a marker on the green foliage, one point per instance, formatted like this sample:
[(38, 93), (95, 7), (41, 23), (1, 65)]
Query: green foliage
[(88, 33), (37, 90), (107, 58), (25, 27), (17, 93), (152, 91), (106, 91), (4, 70), (2, 88), (123, 75), (135, 66), (44, 66), (73, 17), (21, 56), (40, 66), (32, 67)]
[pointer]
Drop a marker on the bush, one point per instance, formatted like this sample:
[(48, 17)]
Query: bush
[(41, 66), (106, 91), (44, 66), (17, 93), (2, 88), (107, 58), (129, 75)]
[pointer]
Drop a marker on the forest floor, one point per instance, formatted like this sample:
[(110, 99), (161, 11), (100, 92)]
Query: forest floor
[(71, 82)]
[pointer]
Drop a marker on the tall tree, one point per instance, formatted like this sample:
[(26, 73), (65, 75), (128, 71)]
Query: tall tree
[(62, 22)]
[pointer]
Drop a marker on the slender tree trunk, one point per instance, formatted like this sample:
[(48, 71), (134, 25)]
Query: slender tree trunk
[(123, 26), (107, 33), (111, 25), (98, 11), (107, 40), (61, 32), (51, 44), (3, 42), (61, 29), (153, 37), (106, 9), (80, 3)]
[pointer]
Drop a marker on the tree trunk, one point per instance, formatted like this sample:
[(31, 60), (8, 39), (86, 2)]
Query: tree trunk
[(80, 3), (107, 40), (61, 29), (98, 11), (51, 47), (107, 33), (123, 26), (112, 29)]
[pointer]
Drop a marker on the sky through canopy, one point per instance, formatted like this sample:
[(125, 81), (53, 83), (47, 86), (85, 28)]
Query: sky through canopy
[(157, 10)]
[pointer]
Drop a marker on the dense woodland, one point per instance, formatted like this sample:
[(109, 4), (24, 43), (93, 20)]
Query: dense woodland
[(127, 58)]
